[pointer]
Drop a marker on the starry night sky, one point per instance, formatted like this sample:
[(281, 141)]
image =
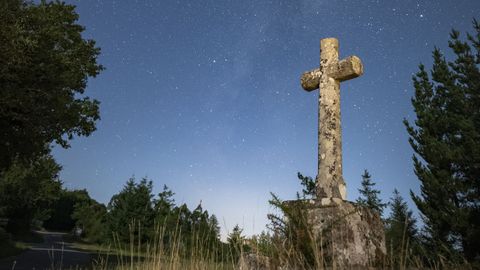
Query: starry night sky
[(204, 96)]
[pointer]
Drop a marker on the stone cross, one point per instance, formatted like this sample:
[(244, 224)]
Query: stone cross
[(327, 78)]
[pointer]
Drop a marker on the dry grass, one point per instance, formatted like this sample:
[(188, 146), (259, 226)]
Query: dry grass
[(196, 254), (275, 253)]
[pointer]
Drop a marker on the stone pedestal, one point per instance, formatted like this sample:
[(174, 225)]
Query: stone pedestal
[(350, 236)]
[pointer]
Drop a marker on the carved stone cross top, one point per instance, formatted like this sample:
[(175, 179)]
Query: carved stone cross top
[(327, 78)]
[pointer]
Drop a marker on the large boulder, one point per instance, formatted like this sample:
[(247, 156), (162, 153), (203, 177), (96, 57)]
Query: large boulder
[(350, 235)]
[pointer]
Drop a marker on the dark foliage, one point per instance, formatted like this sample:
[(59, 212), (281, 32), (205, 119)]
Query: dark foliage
[(61, 217), (446, 139), (44, 67), (292, 234), (91, 219), (401, 231), (134, 211), (131, 210), (293, 238), (308, 186), (237, 242), (369, 195), (28, 191)]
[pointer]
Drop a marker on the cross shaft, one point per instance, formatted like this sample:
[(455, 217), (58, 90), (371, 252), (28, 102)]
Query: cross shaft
[(327, 78)]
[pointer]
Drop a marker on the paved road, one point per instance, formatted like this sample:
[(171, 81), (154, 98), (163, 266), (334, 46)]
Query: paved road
[(53, 253)]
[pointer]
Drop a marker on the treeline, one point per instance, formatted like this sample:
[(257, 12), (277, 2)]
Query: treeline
[(46, 64), (404, 242), (134, 211)]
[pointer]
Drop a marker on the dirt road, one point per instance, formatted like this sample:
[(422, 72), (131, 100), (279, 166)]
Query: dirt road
[(53, 253)]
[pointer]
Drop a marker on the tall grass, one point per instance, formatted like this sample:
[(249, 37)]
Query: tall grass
[(290, 249), (295, 245), (168, 250), (267, 252)]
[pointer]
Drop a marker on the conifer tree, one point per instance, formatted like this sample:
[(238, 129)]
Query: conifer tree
[(445, 137), (131, 212), (308, 186), (401, 231), (163, 206), (369, 195), (236, 241), (235, 238)]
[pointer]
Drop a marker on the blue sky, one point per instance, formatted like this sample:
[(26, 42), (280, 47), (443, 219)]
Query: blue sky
[(204, 96)]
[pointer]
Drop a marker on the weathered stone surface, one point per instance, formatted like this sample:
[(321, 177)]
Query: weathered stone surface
[(310, 80), (344, 70), (352, 236), (330, 183), (347, 69), (253, 261)]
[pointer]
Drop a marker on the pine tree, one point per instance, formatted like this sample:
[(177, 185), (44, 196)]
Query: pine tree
[(131, 212), (445, 137), (236, 241), (308, 186), (163, 206), (401, 231), (369, 195)]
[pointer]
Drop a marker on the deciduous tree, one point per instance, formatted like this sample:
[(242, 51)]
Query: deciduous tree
[(28, 191), (44, 66)]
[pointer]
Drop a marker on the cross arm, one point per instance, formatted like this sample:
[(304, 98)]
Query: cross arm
[(311, 79), (346, 69)]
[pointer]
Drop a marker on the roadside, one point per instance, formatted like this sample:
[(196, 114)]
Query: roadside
[(52, 253), (12, 247)]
